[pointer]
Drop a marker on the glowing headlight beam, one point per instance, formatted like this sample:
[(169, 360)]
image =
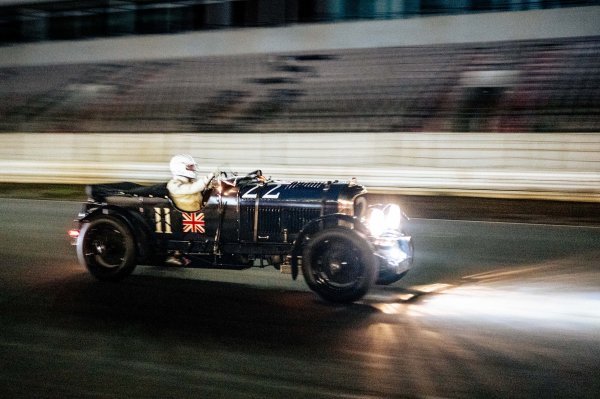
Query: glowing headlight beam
[(384, 219), (377, 222), (393, 216)]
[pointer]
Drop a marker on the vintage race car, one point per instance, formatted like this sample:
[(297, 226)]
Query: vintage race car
[(326, 230)]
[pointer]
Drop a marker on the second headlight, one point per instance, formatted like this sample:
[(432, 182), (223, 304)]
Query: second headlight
[(384, 218)]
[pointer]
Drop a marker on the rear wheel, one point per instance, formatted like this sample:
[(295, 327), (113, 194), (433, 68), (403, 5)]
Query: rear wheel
[(107, 249), (339, 265)]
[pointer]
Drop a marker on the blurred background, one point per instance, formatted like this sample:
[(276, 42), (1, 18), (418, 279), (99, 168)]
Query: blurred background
[(431, 95), (464, 111)]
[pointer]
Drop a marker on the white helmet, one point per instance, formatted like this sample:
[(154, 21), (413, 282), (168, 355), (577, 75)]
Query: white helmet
[(183, 165)]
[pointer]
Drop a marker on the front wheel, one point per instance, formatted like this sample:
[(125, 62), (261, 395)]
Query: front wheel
[(339, 265), (107, 249)]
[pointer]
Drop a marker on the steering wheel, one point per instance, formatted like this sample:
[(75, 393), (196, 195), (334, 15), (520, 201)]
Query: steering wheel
[(257, 174), (232, 179), (222, 176)]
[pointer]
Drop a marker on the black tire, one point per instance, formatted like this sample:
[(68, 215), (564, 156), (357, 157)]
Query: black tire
[(339, 265), (106, 248)]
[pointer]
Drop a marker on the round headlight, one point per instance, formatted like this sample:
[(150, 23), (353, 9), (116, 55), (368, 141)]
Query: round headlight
[(376, 221), (393, 216)]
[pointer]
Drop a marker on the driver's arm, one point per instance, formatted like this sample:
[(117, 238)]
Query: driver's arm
[(179, 187)]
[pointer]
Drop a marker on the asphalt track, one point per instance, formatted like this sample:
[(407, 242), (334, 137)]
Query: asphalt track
[(490, 310)]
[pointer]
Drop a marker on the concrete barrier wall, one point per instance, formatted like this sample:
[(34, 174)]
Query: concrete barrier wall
[(560, 166)]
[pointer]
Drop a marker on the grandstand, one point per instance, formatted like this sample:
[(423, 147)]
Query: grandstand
[(497, 71), (540, 85)]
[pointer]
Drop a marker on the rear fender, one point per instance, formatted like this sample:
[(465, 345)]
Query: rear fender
[(322, 223), (142, 232)]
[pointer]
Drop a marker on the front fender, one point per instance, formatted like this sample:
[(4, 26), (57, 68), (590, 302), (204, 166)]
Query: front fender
[(322, 223)]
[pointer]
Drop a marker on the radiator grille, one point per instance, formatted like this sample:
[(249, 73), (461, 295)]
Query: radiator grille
[(272, 220)]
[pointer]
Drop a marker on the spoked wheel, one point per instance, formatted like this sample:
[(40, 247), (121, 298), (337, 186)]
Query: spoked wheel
[(107, 248), (339, 265)]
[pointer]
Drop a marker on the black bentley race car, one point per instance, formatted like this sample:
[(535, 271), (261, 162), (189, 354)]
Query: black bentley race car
[(326, 230)]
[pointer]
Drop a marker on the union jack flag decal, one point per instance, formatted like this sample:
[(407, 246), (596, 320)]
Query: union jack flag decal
[(193, 222)]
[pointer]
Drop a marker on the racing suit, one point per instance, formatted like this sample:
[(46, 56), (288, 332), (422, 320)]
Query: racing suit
[(186, 192)]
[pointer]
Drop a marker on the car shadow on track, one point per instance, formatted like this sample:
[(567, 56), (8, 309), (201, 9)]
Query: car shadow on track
[(196, 309)]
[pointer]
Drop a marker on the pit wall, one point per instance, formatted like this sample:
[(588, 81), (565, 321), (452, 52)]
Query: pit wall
[(563, 166)]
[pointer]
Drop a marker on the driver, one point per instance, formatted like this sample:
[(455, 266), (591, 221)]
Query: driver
[(185, 186)]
